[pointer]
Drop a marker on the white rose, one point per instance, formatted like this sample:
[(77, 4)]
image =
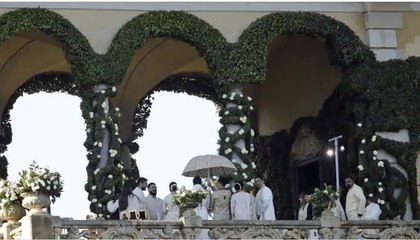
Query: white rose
[(91, 114), (227, 139), (117, 109), (99, 205), (88, 130), (224, 96), (373, 138), (250, 184), (241, 131), (244, 166), (375, 152), (370, 195), (93, 187), (95, 143), (54, 187), (110, 176), (380, 183), (252, 149), (241, 95), (226, 112), (379, 201), (252, 132), (103, 126), (325, 191), (119, 140), (235, 173), (94, 200), (380, 164), (114, 89), (360, 167), (240, 107), (251, 108), (244, 151), (380, 189), (103, 91), (359, 124), (98, 156), (103, 105), (382, 202), (374, 158), (366, 180), (249, 99), (253, 165), (363, 141), (100, 144), (48, 188), (362, 152)]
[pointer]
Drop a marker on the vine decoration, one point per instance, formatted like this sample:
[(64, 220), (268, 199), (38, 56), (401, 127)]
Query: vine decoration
[(102, 182), (236, 109)]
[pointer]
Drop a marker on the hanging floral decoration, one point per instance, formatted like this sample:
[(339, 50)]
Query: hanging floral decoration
[(237, 113)]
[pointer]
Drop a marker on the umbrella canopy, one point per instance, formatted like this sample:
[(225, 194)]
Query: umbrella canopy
[(208, 165)]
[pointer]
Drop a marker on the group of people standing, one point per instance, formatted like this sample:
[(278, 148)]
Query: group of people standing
[(357, 206), (222, 203)]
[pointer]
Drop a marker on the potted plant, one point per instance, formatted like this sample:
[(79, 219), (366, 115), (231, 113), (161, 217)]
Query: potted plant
[(37, 185), (322, 200), (11, 208)]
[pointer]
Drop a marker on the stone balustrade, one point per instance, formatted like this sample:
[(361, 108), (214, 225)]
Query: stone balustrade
[(66, 228)]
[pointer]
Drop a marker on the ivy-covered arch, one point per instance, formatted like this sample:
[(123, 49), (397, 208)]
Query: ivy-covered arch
[(250, 53), (78, 52), (208, 41)]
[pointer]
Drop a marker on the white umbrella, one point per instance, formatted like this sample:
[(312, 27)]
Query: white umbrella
[(208, 165)]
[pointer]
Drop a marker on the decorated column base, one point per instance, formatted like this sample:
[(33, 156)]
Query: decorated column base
[(37, 226)]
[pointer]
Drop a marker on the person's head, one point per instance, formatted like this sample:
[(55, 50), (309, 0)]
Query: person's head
[(123, 199), (238, 186), (152, 189), (173, 187), (349, 181), (222, 181), (304, 197), (197, 180), (142, 183), (259, 181)]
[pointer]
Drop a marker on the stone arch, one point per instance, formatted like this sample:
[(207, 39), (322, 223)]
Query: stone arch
[(76, 47), (344, 47), (207, 40)]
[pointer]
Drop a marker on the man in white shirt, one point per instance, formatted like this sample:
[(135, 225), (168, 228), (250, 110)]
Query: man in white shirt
[(141, 186), (153, 203), (264, 201), (355, 200)]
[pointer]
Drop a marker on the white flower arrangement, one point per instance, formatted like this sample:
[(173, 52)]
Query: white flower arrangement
[(185, 196), (9, 194), (243, 119), (40, 180)]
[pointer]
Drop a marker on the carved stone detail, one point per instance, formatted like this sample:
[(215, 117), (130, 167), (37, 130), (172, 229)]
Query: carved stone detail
[(326, 233), (190, 233), (225, 233), (35, 202), (400, 232), (295, 234), (123, 232), (261, 232)]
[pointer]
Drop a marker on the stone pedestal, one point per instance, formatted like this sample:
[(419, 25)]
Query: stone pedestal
[(328, 220), (37, 226)]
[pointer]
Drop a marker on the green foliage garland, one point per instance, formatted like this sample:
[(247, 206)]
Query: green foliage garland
[(186, 27), (237, 114), (102, 182), (251, 51), (78, 52)]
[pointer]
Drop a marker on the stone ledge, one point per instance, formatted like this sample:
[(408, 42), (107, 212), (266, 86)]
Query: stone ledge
[(384, 20)]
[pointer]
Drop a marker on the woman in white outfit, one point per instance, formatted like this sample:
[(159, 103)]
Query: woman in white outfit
[(170, 210), (201, 210), (241, 204)]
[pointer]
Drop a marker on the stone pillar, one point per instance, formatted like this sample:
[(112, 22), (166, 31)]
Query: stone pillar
[(382, 20), (235, 127), (106, 140), (37, 226)]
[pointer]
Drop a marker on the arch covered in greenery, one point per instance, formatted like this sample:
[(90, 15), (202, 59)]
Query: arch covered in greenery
[(250, 53), (208, 41), (78, 52)]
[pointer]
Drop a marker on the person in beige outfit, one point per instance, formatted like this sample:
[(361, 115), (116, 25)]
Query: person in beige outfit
[(355, 200), (220, 201)]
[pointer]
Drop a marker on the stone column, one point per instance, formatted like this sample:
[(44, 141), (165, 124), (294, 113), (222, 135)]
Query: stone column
[(235, 127), (105, 142), (37, 226), (382, 20)]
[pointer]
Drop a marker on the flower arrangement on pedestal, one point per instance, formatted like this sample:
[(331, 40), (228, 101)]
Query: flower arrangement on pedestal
[(188, 198), (37, 185), (10, 202), (323, 199)]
